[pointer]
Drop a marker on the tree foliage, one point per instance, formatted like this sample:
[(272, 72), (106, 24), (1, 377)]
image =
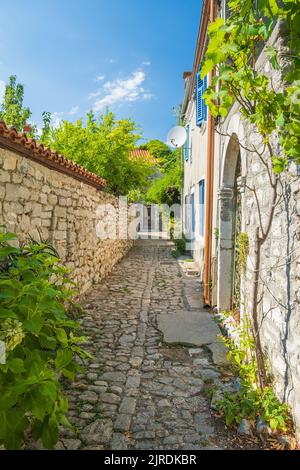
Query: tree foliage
[(12, 110), (46, 129), (102, 146), (166, 188), (158, 149), (41, 343)]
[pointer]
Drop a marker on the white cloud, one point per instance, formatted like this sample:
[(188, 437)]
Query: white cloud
[(74, 110), (39, 130), (56, 119), (146, 63), (100, 78), (121, 90), (148, 96), (2, 90), (94, 94)]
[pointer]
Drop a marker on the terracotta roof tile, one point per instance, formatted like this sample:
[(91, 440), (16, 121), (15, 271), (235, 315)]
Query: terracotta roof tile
[(144, 154), (18, 142)]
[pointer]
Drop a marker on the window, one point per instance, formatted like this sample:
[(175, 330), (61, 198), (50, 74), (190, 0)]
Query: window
[(201, 108), (187, 144), (186, 215), (202, 207), (192, 215)]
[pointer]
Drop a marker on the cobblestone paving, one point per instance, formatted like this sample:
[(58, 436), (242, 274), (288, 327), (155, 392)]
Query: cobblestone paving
[(138, 393)]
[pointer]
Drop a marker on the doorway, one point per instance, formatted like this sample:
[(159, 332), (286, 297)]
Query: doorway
[(230, 225)]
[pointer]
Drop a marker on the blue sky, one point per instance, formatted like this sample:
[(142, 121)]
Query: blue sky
[(73, 56)]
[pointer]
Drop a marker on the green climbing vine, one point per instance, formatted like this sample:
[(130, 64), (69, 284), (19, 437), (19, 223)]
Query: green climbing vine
[(232, 52), (243, 250)]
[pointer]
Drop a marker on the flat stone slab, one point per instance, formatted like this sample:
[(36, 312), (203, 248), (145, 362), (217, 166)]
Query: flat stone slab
[(189, 327), (219, 353), (193, 291)]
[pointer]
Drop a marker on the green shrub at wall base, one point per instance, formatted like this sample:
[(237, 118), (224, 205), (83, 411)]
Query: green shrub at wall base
[(250, 402), (41, 343)]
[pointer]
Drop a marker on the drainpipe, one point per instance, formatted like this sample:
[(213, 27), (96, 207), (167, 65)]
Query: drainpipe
[(209, 187)]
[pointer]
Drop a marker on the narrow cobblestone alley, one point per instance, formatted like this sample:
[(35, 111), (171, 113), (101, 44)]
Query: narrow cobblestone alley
[(138, 393)]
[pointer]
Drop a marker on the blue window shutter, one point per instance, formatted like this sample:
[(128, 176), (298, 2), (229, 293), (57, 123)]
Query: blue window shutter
[(203, 100), (198, 99), (201, 108)]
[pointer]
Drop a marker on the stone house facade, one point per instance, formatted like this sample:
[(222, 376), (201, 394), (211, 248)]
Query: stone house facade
[(235, 170)]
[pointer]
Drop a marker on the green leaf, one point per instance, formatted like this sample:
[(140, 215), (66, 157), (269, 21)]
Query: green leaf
[(273, 7), (272, 54), (206, 67), (273, 424), (8, 399), (33, 325), (280, 120), (63, 358), (62, 336), (68, 374), (5, 313), (12, 426), (216, 25), (48, 389), (7, 250), (65, 422), (49, 435), (279, 164), (5, 237), (16, 365), (48, 342)]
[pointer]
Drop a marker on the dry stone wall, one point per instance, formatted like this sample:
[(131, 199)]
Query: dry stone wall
[(35, 199)]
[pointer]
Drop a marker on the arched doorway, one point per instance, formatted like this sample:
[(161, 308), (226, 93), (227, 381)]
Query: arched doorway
[(230, 225)]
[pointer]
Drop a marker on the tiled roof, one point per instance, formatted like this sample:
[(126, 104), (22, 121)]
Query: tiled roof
[(18, 142), (144, 154)]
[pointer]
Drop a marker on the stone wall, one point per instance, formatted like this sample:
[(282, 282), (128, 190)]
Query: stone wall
[(279, 284), (280, 273), (279, 306), (35, 199)]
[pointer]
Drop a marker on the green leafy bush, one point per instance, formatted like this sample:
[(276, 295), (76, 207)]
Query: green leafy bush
[(135, 196), (41, 343), (103, 146), (250, 404), (249, 401), (167, 188), (180, 244)]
